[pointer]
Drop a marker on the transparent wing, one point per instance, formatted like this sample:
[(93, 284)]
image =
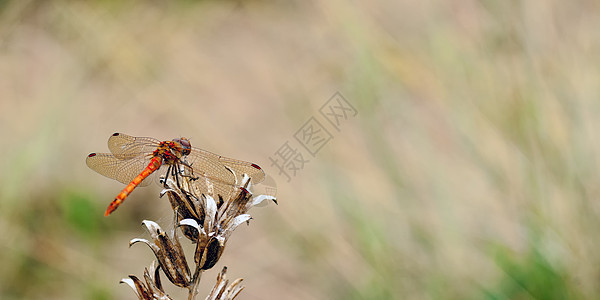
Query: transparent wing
[(207, 164), (122, 170), (208, 185), (123, 146), (243, 167), (211, 163), (220, 175)]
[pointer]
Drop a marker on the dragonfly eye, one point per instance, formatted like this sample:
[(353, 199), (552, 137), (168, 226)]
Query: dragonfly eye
[(185, 144)]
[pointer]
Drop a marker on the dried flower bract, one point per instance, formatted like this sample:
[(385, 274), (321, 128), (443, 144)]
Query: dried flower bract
[(206, 219), (221, 291), (151, 289)]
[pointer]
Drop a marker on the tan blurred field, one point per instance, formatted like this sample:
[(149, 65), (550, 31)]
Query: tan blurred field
[(469, 172)]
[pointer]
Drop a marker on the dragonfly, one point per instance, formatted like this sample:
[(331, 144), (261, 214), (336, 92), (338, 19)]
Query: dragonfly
[(133, 159)]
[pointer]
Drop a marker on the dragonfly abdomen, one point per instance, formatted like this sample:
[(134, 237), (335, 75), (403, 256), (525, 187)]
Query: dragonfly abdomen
[(154, 164)]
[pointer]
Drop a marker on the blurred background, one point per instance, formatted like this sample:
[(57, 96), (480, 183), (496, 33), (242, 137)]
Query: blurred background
[(470, 170)]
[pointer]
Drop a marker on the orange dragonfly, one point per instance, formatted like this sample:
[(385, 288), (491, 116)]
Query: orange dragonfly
[(133, 159)]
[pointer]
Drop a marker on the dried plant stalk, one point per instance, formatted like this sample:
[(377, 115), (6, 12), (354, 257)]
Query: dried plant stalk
[(206, 219)]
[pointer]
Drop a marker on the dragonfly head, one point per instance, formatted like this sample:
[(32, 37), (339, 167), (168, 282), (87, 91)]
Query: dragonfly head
[(186, 147)]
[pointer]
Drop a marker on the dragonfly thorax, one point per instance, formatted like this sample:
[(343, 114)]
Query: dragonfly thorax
[(184, 144), (171, 152)]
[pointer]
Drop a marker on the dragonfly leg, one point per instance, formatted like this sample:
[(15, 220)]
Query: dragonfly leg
[(189, 194), (180, 172), (173, 173), (166, 176), (191, 177)]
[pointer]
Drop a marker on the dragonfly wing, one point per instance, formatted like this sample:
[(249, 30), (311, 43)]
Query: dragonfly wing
[(207, 166), (243, 167), (124, 146), (122, 170), (214, 188)]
